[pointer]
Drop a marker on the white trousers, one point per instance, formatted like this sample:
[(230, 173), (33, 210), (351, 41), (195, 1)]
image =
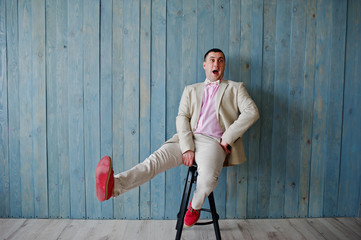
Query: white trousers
[(209, 156)]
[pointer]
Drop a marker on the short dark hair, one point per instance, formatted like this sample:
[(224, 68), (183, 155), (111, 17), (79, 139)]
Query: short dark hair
[(214, 50)]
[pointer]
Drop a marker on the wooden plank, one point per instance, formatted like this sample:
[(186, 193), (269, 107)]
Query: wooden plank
[(319, 135), (26, 109), (240, 231), (245, 47), (105, 229), (131, 100), (100, 229), (9, 227), (245, 76), (52, 229), (319, 225), (324, 228), (63, 108), (132, 232), (189, 45), (350, 224), (166, 228), (4, 128), (88, 229), (75, 229), (205, 34), (52, 109), (117, 93), (234, 74), (275, 229), (17, 229), (145, 93), (266, 107), (39, 167), (242, 183), (335, 103), (205, 232), (76, 109), (106, 135), (33, 229), (358, 220), (91, 20), (350, 184), (288, 230), (30, 228), (307, 104), (254, 90), (280, 114), (158, 99), (12, 36), (221, 41), (254, 230), (340, 230), (295, 114), (58, 179), (176, 69), (301, 225)]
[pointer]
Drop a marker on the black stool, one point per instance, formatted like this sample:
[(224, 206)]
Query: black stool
[(192, 178)]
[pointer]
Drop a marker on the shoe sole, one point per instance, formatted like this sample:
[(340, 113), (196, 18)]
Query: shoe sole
[(100, 190), (108, 178), (190, 225)]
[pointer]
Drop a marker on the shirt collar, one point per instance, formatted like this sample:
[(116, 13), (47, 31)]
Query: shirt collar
[(207, 82)]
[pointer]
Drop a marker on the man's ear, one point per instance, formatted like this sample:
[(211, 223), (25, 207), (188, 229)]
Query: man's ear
[(204, 65)]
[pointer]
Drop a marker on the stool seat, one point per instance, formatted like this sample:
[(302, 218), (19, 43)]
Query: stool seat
[(192, 178)]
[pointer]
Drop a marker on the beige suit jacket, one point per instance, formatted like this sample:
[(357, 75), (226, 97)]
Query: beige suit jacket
[(236, 112)]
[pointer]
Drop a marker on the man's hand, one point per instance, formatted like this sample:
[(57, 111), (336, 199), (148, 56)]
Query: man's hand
[(188, 158), (224, 146)]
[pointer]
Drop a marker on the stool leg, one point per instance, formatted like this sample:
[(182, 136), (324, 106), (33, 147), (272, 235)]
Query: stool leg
[(215, 216), (185, 200)]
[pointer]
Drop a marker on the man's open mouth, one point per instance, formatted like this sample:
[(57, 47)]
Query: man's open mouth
[(215, 71)]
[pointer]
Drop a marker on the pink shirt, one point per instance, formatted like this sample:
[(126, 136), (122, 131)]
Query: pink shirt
[(208, 123)]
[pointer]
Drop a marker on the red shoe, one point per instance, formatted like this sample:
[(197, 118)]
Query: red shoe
[(191, 216), (104, 179)]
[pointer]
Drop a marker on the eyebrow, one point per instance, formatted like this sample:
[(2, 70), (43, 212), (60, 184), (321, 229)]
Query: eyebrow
[(215, 57)]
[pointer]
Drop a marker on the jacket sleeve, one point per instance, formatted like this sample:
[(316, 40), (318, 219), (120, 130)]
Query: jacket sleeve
[(183, 125), (248, 116)]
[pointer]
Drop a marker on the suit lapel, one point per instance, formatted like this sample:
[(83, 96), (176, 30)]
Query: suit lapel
[(222, 88)]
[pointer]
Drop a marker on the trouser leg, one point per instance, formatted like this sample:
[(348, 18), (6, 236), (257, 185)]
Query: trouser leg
[(209, 156), (166, 157)]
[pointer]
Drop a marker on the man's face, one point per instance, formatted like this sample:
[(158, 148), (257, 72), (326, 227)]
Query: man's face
[(214, 66)]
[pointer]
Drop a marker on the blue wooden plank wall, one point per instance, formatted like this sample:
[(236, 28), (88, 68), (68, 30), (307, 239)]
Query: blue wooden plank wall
[(83, 79)]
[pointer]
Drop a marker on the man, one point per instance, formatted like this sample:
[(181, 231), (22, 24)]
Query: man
[(212, 117)]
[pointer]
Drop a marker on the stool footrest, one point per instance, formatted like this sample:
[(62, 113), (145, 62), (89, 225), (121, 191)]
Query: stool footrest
[(204, 223)]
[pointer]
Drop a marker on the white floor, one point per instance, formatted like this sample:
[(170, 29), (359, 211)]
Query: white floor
[(311, 228)]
